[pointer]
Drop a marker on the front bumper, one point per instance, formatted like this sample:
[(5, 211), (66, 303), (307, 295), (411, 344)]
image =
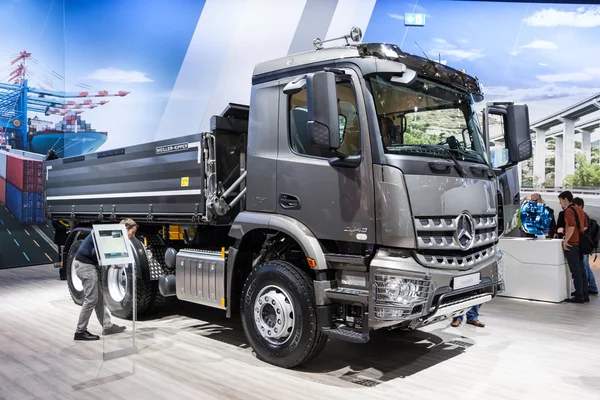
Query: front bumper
[(433, 295)]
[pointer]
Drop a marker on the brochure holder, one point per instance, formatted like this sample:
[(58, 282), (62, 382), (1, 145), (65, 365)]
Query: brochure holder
[(118, 280)]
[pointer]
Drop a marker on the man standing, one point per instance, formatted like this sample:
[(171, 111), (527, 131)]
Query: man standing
[(87, 269), (593, 289), (472, 318), (574, 217)]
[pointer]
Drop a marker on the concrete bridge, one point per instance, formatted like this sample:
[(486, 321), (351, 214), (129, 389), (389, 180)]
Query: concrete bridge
[(578, 119), (577, 122)]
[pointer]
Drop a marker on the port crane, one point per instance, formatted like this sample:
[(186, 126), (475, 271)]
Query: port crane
[(17, 99)]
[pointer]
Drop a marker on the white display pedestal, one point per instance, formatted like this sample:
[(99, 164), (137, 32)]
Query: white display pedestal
[(535, 269)]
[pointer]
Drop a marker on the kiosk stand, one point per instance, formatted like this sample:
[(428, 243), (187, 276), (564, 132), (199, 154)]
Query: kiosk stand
[(535, 269), (115, 256)]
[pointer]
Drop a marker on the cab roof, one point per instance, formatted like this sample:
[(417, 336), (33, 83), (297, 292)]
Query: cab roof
[(423, 66)]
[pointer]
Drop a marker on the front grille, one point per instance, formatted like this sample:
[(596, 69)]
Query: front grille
[(456, 260), (438, 247)]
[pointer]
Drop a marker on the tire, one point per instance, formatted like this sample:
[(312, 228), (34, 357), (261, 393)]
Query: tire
[(73, 282), (275, 281), (118, 291)]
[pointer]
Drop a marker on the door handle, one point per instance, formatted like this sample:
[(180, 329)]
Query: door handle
[(289, 202)]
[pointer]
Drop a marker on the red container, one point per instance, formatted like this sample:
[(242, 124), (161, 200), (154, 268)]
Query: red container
[(25, 173), (2, 191)]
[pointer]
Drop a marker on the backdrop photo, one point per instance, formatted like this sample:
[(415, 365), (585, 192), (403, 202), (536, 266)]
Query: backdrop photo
[(81, 76)]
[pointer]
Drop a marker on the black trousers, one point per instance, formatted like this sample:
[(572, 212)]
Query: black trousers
[(575, 261)]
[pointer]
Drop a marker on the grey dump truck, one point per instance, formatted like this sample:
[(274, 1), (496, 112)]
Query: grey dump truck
[(354, 193)]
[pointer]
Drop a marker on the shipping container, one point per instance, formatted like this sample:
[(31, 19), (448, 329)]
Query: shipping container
[(3, 157), (3, 191), (25, 173), (27, 208)]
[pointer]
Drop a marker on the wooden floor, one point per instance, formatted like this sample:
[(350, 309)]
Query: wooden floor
[(527, 350)]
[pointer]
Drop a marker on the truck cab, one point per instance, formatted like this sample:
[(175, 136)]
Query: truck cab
[(355, 193)]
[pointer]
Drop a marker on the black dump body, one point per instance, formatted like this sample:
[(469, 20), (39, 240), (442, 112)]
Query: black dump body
[(158, 182)]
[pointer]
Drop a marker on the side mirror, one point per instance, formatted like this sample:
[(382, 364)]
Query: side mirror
[(518, 137), (323, 126)]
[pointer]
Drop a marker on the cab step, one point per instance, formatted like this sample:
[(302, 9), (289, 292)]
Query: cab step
[(346, 335), (346, 295)]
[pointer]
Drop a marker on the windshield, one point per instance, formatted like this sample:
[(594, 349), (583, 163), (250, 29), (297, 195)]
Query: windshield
[(413, 119)]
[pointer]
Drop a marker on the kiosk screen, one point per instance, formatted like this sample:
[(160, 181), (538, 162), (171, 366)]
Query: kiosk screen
[(113, 244)]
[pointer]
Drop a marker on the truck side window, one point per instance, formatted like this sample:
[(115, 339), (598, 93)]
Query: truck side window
[(349, 125), (498, 150)]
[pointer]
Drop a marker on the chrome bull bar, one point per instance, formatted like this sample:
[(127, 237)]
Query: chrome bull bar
[(455, 308)]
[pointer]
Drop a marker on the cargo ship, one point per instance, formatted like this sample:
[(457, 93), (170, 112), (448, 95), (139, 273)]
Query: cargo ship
[(69, 137)]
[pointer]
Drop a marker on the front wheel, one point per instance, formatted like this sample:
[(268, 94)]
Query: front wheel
[(279, 314)]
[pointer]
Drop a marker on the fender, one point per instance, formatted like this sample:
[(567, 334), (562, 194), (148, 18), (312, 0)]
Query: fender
[(141, 258), (248, 221), (74, 234)]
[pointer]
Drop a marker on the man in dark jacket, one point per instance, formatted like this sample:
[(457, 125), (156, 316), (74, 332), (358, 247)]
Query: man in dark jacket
[(560, 225), (86, 268)]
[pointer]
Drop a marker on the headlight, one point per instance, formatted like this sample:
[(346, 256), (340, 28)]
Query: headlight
[(402, 291), (399, 290), (395, 296)]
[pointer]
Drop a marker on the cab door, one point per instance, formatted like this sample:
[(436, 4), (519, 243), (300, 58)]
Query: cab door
[(335, 202), (497, 133)]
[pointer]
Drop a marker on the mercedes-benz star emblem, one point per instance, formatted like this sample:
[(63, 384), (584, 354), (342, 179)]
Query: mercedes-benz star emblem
[(465, 231)]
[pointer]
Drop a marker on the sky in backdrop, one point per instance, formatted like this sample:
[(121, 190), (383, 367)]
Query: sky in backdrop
[(547, 55)]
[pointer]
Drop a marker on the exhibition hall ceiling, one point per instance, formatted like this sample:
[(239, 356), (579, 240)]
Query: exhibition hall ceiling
[(185, 60)]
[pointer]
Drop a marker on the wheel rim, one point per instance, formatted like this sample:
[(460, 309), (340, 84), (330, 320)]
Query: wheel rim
[(117, 282), (77, 284), (274, 315)]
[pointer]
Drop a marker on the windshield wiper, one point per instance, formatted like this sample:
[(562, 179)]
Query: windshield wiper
[(459, 167)]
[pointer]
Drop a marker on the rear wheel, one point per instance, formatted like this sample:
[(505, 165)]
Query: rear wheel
[(118, 287), (279, 314), (73, 282)]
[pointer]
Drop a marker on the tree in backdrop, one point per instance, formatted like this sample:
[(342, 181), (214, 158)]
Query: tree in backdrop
[(586, 174)]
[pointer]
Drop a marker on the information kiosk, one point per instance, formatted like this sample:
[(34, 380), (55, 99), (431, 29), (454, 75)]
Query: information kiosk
[(115, 255)]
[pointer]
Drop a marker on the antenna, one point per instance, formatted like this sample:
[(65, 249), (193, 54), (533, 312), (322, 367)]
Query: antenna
[(355, 34), (422, 51)]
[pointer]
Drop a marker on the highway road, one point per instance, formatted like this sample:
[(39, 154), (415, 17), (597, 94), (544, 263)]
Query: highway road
[(24, 245)]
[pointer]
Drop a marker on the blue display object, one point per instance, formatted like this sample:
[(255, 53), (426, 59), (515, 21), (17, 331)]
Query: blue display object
[(536, 218)]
